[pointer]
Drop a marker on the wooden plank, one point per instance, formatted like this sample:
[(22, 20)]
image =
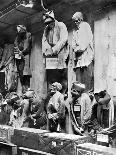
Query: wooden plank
[(6, 132), (8, 149), (27, 151), (94, 149)]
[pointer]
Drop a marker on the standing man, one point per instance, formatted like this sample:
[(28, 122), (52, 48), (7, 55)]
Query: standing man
[(80, 99), (56, 109), (82, 44), (22, 50), (54, 44)]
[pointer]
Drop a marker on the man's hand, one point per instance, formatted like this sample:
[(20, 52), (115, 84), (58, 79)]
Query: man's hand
[(77, 49), (51, 116), (33, 115), (21, 53), (16, 48), (54, 52), (49, 52)]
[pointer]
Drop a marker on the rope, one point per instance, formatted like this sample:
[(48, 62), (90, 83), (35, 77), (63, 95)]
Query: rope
[(43, 6)]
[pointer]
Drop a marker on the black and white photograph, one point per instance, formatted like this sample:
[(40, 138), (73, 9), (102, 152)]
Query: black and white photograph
[(57, 77)]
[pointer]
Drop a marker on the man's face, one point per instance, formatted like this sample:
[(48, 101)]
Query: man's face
[(21, 32), (50, 22), (53, 89), (75, 93), (77, 22)]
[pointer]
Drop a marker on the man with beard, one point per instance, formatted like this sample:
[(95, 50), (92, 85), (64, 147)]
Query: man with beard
[(22, 50), (56, 109)]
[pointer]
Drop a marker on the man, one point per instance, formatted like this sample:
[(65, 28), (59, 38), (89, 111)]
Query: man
[(38, 114), (101, 107), (56, 109), (82, 44), (55, 37), (54, 45), (15, 109), (81, 107), (22, 50)]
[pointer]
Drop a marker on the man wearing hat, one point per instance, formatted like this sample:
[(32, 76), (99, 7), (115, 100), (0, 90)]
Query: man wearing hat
[(54, 46), (101, 107), (81, 105), (56, 109), (22, 50), (55, 37), (82, 44)]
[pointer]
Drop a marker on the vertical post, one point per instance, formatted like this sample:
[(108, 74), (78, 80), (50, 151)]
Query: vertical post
[(71, 79)]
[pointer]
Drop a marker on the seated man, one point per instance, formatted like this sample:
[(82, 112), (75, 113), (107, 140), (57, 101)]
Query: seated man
[(20, 109), (56, 109), (100, 109)]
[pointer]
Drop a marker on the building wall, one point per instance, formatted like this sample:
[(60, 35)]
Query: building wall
[(105, 50), (38, 80)]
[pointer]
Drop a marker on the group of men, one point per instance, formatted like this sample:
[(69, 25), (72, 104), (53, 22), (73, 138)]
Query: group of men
[(51, 114), (84, 111), (55, 44)]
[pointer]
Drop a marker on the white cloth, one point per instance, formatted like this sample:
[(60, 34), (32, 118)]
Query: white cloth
[(83, 42)]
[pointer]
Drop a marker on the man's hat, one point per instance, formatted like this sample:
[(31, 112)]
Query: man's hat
[(77, 16), (78, 86), (98, 90), (48, 16), (21, 27)]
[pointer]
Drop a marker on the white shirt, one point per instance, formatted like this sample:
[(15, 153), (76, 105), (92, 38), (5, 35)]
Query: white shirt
[(83, 42)]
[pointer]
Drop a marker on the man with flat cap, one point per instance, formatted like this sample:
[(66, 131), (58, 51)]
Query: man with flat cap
[(22, 50), (81, 107), (54, 45), (82, 45)]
